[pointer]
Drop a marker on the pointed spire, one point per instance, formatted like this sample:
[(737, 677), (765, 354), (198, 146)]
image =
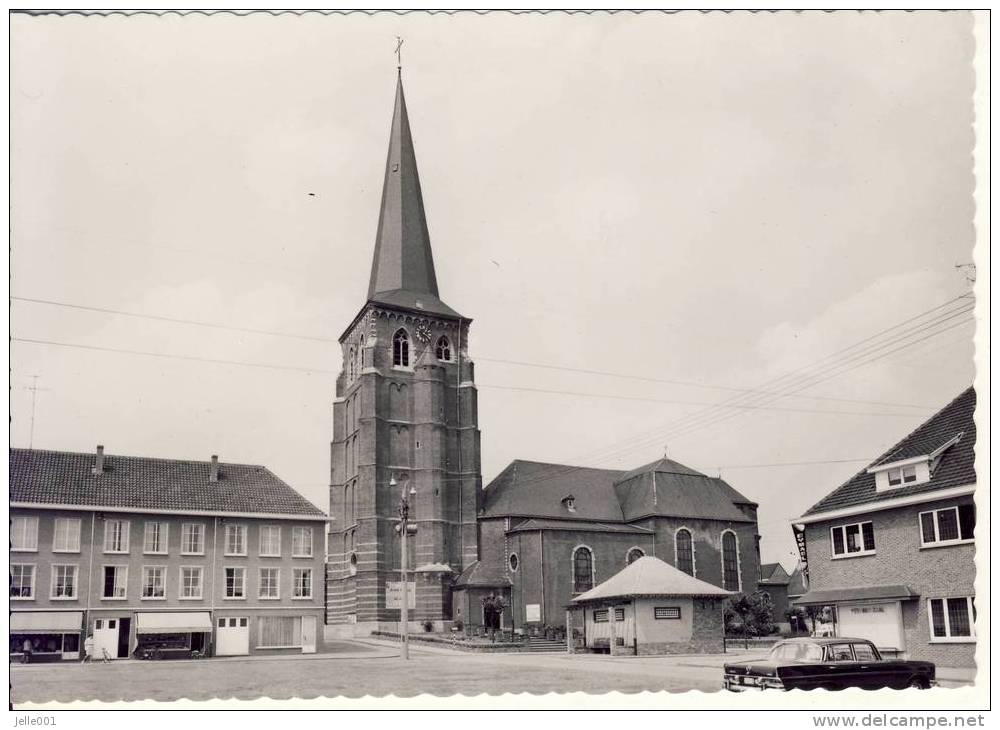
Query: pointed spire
[(403, 262)]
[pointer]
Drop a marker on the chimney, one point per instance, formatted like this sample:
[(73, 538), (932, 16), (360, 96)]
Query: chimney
[(99, 460), (213, 471)]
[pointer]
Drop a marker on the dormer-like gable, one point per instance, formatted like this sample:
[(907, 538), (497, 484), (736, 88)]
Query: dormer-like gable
[(911, 471)]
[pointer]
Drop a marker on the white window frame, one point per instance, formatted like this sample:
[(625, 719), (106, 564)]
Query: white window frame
[(722, 559), (240, 529), (309, 541), (266, 529), (694, 554), (66, 521), (126, 536), (201, 583), (277, 584), (948, 638), (29, 546), (861, 536), (163, 581), (190, 528), (163, 535), (937, 542), (241, 569), (76, 582), (117, 567), (33, 584), (295, 584)]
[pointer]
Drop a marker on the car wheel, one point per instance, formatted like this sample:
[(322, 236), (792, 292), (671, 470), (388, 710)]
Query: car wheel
[(832, 687), (917, 683)]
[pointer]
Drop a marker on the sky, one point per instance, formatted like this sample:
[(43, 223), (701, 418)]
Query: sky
[(701, 202)]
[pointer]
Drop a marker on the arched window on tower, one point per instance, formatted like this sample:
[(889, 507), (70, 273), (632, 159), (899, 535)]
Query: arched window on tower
[(401, 349), (684, 549), (730, 562), (443, 350), (633, 555), (352, 362), (583, 570), (348, 512)]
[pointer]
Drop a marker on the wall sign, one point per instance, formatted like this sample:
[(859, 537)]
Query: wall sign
[(532, 612), (394, 594)]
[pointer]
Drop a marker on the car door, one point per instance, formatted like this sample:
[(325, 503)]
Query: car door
[(872, 672), (839, 667)]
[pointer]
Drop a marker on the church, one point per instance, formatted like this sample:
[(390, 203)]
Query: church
[(405, 422)]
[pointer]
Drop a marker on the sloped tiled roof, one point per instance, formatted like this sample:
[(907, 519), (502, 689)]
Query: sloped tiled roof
[(578, 526), (139, 482), (536, 489), (649, 576), (671, 489), (773, 574), (955, 469), (482, 574)]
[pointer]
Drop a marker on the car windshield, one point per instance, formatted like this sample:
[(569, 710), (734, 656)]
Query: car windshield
[(796, 652)]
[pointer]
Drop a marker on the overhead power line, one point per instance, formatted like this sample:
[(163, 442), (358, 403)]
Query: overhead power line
[(545, 366)]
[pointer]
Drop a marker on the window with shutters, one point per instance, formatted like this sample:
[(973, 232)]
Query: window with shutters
[(848, 541), (949, 526)]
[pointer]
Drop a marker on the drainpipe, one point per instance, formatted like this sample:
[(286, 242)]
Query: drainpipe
[(90, 569), (215, 552)]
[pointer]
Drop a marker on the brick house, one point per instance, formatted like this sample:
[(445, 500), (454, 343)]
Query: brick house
[(555, 531), (891, 552), (178, 555)]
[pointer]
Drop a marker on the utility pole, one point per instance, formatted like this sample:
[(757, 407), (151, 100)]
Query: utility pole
[(404, 528), (34, 393)]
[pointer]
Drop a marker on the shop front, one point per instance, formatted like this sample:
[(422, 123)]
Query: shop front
[(45, 636), (179, 635)]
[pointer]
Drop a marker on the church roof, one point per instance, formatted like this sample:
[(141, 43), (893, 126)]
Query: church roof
[(668, 488), (536, 489), (403, 266), (649, 576)]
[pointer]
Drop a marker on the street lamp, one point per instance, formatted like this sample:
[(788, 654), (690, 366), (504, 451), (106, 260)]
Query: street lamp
[(404, 528)]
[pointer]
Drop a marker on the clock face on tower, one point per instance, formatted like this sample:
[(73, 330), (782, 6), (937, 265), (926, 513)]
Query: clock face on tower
[(423, 333)]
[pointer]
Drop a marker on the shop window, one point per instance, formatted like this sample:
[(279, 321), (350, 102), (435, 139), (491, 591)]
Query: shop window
[(280, 632)]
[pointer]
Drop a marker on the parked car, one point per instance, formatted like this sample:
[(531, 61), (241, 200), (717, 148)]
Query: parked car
[(829, 663)]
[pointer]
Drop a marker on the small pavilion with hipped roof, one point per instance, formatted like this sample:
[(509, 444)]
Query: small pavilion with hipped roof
[(650, 607)]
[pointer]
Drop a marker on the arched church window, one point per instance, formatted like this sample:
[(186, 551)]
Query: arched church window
[(633, 555), (730, 562), (583, 570), (443, 349), (401, 349), (684, 549), (352, 362)]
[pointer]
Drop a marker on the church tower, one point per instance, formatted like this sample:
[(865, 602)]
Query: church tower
[(405, 418)]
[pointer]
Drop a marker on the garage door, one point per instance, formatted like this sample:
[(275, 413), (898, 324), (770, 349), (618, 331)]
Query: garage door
[(232, 636), (880, 623)]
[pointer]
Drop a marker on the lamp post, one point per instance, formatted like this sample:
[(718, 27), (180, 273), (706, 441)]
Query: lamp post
[(404, 528)]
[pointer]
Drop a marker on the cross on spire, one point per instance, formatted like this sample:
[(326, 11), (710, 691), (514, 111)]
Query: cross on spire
[(399, 54)]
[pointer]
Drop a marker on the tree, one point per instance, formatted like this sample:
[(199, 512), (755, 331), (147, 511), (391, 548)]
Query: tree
[(749, 615)]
